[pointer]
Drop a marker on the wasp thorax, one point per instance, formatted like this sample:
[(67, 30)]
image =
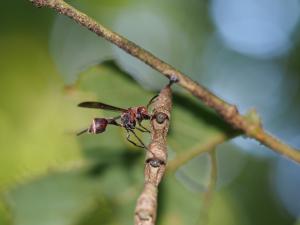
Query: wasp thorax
[(160, 117), (127, 121), (98, 125), (142, 113)]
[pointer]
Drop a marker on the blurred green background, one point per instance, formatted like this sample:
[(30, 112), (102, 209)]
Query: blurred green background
[(245, 51)]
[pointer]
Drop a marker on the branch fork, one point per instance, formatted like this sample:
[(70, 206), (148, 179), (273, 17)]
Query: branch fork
[(156, 156), (227, 111)]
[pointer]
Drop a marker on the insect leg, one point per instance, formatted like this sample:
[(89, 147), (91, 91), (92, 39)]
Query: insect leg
[(141, 142), (144, 128), (132, 142)]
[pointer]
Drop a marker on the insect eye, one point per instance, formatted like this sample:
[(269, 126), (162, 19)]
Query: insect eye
[(161, 117)]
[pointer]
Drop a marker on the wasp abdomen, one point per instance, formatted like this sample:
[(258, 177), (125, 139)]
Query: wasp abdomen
[(98, 126)]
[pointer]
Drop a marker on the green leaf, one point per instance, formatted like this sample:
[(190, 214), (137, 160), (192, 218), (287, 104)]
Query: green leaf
[(166, 30), (79, 196), (195, 174), (74, 48), (36, 117), (58, 199), (179, 206), (5, 217), (163, 28)]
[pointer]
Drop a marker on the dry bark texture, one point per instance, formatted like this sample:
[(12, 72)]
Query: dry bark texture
[(156, 158)]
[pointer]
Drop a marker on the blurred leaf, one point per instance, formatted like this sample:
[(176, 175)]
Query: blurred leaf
[(231, 161), (58, 199), (192, 123), (4, 214), (29, 21), (35, 115), (113, 86), (166, 31), (224, 210), (77, 197), (287, 172), (74, 48), (195, 175), (177, 205), (163, 28), (149, 27), (253, 192)]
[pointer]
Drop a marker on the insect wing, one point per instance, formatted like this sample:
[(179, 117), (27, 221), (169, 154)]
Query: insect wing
[(100, 105)]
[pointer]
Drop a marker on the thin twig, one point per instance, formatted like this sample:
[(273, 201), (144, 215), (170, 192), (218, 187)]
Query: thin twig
[(208, 195), (201, 148), (156, 158), (213, 171), (227, 111)]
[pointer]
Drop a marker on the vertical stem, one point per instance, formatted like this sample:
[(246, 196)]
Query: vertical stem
[(156, 159)]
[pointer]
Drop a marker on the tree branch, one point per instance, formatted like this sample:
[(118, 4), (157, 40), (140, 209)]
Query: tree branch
[(156, 158), (227, 111)]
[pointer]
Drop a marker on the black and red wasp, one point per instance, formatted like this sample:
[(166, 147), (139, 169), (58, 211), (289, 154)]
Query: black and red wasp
[(130, 119)]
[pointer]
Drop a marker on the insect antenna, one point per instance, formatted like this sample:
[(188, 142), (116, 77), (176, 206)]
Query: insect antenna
[(82, 132), (151, 101)]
